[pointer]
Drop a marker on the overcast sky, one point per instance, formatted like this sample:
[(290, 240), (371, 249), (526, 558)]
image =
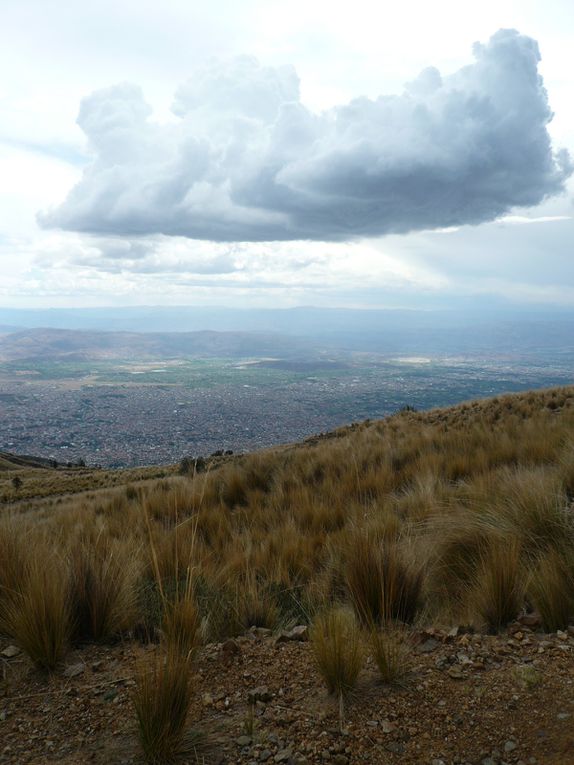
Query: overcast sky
[(276, 154)]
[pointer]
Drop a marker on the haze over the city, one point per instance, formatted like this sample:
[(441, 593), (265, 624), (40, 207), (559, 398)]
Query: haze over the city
[(273, 155)]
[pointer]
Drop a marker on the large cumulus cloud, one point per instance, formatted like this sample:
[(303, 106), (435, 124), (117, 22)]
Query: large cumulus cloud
[(245, 160)]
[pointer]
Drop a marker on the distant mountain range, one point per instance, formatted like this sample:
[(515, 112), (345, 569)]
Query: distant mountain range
[(33, 345), (176, 332)]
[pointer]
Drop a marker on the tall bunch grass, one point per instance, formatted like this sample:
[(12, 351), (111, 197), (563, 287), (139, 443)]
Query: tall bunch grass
[(530, 504), (455, 548), (38, 616), (180, 616), (499, 587), (551, 589), (14, 555), (338, 649), (162, 699), (255, 604), (390, 651), (103, 589), (181, 626), (383, 586)]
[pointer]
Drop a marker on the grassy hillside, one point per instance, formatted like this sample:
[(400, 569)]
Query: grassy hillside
[(26, 480), (453, 516), (442, 488)]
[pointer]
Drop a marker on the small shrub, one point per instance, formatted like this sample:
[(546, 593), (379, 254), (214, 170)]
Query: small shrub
[(338, 649), (190, 466), (162, 699), (185, 466)]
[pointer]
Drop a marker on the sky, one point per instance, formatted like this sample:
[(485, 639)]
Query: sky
[(265, 153)]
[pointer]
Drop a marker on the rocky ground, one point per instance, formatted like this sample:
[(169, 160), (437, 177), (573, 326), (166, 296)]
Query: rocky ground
[(467, 698)]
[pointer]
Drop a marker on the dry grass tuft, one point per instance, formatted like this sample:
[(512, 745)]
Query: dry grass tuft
[(459, 540), (552, 590), (162, 699), (338, 649), (181, 627), (255, 606), (103, 592), (14, 555), (390, 651), (498, 592), (382, 585), (38, 617)]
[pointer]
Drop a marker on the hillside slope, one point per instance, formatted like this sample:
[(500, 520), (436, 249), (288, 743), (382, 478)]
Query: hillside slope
[(440, 544)]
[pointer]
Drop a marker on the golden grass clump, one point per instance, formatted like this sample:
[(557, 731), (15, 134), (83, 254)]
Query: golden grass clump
[(162, 699), (255, 605), (551, 589), (531, 505), (14, 555), (455, 549), (38, 617), (381, 584), (337, 646), (390, 652), (499, 588), (181, 625), (103, 593)]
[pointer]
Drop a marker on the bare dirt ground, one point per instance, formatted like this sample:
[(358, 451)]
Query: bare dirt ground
[(467, 698)]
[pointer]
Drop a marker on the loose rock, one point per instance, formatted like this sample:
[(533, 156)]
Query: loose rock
[(298, 634)]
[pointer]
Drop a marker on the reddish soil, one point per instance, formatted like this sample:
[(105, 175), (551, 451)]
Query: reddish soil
[(466, 699)]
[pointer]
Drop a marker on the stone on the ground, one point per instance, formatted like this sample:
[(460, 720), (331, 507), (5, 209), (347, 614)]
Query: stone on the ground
[(428, 646), (300, 633), (73, 670), (261, 694), (11, 651)]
